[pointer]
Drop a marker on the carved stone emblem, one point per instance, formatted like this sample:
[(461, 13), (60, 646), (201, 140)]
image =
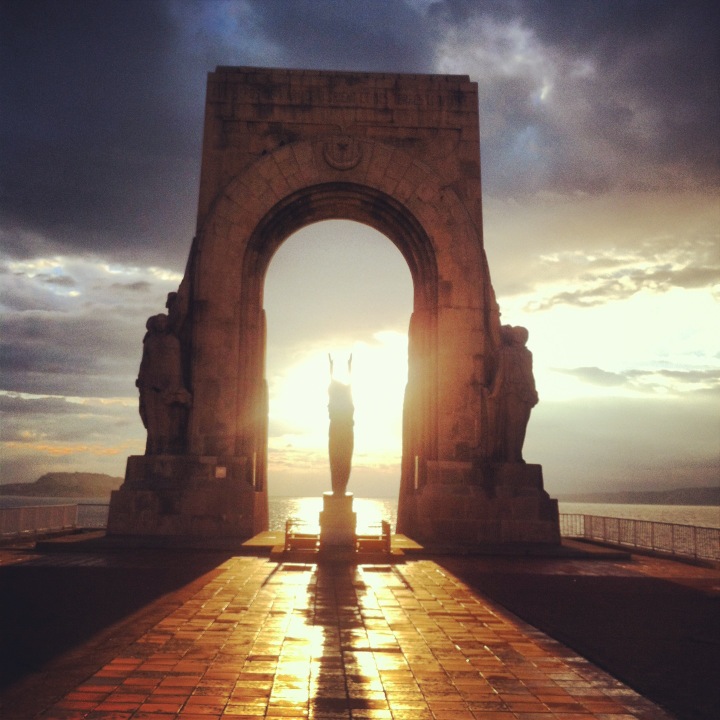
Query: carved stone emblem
[(342, 152)]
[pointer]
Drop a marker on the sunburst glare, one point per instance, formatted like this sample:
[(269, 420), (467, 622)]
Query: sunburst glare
[(351, 298), (298, 397), (306, 512)]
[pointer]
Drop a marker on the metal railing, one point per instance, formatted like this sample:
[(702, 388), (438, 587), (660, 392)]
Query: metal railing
[(37, 519), (93, 516), (702, 543)]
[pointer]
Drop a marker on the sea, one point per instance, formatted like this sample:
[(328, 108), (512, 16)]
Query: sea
[(371, 511)]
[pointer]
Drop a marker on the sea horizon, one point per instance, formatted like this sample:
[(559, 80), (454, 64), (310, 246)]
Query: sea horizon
[(372, 510)]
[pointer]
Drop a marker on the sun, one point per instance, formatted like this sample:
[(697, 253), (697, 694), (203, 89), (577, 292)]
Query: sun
[(342, 288), (299, 397)]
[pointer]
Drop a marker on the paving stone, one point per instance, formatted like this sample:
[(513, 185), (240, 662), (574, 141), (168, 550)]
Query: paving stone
[(257, 639)]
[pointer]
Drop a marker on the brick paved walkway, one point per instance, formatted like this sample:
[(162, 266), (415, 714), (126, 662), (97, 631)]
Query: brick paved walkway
[(255, 638)]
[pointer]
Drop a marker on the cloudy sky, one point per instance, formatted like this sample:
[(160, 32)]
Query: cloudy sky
[(600, 168)]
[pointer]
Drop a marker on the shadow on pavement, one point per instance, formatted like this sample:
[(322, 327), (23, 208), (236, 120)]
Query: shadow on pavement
[(48, 609), (659, 637)]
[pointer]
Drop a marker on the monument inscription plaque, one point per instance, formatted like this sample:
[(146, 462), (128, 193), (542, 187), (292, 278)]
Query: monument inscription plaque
[(286, 148)]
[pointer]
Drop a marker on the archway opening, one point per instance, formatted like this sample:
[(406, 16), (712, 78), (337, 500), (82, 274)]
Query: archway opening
[(337, 287)]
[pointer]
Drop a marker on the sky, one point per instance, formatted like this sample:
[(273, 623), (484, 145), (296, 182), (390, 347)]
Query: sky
[(600, 157)]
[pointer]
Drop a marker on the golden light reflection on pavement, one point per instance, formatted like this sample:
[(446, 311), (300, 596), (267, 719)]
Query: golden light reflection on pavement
[(409, 642)]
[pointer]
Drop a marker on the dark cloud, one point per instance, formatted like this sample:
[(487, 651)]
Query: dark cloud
[(18, 405), (139, 286), (632, 91), (72, 287), (103, 104), (595, 376), (86, 356), (374, 35), (624, 281), (692, 376), (81, 425), (103, 100), (584, 24), (650, 381), (17, 298), (59, 280), (628, 284), (42, 435), (100, 145), (663, 58)]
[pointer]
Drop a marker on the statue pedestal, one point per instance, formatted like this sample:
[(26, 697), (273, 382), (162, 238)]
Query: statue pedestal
[(471, 504), (337, 521), (183, 495)]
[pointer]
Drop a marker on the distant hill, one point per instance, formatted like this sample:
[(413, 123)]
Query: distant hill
[(681, 496), (66, 484)]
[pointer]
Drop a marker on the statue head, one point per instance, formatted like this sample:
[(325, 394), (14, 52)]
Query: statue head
[(514, 335), (157, 323), (520, 335)]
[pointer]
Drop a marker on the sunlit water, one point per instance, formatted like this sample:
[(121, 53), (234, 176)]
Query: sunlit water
[(371, 511), (306, 510), (698, 515)]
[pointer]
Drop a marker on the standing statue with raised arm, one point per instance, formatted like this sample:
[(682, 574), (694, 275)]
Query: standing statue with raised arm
[(341, 438)]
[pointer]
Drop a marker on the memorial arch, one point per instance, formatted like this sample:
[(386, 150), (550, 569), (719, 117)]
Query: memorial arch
[(284, 149)]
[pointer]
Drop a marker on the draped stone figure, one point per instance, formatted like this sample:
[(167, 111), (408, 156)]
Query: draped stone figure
[(164, 401), (513, 395), (341, 438)]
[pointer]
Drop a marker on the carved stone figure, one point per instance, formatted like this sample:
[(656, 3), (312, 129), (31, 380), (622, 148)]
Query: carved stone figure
[(163, 399), (513, 395), (341, 438), (173, 314)]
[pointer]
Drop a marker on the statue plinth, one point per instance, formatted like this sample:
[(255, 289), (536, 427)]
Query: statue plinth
[(471, 504), (184, 495), (337, 521)]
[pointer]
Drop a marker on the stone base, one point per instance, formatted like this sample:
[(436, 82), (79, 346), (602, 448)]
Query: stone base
[(337, 521), (171, 495), (465, 504)]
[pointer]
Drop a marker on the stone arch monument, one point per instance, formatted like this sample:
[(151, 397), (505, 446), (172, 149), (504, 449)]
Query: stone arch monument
[(401, 153)]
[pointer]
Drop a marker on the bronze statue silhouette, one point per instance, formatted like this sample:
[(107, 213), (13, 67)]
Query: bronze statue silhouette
[(164, 401), (513, 395), (341, 437)]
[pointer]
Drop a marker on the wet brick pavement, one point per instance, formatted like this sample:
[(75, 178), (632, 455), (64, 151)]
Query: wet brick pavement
[(250, 638)]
